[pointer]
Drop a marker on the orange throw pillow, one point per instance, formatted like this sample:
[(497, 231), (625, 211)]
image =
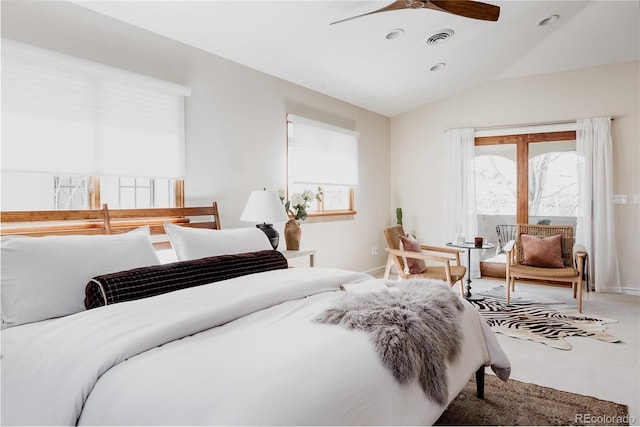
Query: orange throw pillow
[(412, 265), (542, 252)]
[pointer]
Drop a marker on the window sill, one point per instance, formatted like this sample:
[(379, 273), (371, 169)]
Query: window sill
[(314, 217)]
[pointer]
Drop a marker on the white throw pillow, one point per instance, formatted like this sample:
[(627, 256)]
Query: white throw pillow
[(194, 243), (45, 277)]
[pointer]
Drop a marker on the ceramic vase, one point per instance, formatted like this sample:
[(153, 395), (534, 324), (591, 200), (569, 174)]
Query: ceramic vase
[(292, 234)]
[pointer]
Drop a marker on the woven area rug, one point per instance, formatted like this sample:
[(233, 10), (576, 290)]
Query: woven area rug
[(543, 321), (515, 403)]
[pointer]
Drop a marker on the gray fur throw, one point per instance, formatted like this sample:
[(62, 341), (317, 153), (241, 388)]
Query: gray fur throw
[(415, 329)]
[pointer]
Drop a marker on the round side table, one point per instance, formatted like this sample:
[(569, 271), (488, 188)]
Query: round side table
[(469, 246)]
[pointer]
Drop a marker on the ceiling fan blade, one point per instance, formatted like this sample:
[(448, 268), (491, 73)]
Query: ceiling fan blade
[(466, 8), (398, 4)]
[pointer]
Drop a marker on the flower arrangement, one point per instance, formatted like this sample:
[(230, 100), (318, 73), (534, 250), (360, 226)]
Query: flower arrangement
[(299, 202)]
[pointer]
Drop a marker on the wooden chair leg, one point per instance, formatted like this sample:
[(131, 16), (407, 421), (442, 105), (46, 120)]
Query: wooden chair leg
[(508, 289), (461, 287), (579, 290), (387, 269)]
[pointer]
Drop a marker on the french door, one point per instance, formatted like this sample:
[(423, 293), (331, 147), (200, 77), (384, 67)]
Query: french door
[(528, 178)]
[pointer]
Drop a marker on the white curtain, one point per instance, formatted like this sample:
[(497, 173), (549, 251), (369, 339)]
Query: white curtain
[(461, 195), (595, 227)]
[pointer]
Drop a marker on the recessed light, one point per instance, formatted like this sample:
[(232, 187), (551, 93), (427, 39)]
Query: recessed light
[(438, 66), (548, 20), (394, 34)]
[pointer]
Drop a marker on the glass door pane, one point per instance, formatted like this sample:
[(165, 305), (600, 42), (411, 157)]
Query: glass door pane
[(553, 183), (496, 183)]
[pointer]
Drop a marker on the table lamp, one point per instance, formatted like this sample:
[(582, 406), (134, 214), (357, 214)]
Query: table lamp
[(265, 207)]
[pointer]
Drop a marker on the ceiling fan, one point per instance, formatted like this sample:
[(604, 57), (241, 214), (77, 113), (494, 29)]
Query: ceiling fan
[(466, 8)]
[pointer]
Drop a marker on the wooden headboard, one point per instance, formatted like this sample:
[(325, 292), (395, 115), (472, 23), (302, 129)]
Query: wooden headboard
[(104, 221)]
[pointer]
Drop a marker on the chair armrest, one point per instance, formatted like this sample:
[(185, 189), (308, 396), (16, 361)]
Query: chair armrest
[(510, 254), (419, 255), (508, 247), (453, 251), (580, 258), (579, 250), (439, 249)]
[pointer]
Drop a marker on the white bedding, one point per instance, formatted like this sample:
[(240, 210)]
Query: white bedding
[(239, 352)]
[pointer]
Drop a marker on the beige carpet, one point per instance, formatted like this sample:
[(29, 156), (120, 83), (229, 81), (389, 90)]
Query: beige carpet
[(515, 403)]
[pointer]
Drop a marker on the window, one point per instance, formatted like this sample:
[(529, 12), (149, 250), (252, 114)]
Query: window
[(553, 185), (67, 121), (495, 178), (25, 191), (543, 169), (132, 192), (322, 156), (70, 192)]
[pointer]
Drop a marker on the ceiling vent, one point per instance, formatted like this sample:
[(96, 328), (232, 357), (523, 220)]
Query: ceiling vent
[(439, 37)]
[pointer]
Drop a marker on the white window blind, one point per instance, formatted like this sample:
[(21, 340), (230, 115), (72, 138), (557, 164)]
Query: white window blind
[(62, 114), (321, 154)]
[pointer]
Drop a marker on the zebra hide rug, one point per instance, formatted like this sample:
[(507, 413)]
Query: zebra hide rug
[(541, 322)]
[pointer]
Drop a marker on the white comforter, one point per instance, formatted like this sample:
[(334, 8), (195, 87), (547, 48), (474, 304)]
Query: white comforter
[(239, 352)]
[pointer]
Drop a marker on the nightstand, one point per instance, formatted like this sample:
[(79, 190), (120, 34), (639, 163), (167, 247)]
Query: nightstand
[(297, 254)]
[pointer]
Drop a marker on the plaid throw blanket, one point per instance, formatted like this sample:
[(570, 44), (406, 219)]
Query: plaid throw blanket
[(158, 279)]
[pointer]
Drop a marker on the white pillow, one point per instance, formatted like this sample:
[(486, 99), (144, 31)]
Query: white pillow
[(45, 277), (194, 243)]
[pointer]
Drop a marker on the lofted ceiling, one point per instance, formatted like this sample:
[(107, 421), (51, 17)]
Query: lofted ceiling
[(354, 61)]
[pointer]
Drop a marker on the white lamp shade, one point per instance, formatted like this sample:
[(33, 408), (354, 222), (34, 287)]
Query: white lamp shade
[(264, 206)]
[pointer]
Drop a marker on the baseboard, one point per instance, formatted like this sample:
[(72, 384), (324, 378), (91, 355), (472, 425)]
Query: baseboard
[(376, 272), (630, 291)]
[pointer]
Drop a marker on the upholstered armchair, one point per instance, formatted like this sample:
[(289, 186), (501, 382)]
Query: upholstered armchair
[(413, 260), (548, 253)]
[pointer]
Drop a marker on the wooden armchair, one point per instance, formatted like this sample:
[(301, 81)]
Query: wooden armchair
[(443, 256), (520, 254)]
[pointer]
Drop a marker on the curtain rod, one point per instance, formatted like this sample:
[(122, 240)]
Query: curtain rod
[(559, 122)]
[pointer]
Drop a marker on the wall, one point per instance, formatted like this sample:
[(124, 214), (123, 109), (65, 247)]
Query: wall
[(418, 139), (236, 129)]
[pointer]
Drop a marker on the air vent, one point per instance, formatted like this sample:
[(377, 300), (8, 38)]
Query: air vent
[(439, 37)]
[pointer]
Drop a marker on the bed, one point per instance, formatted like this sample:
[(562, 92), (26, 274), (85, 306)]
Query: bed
[(245, 342)]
